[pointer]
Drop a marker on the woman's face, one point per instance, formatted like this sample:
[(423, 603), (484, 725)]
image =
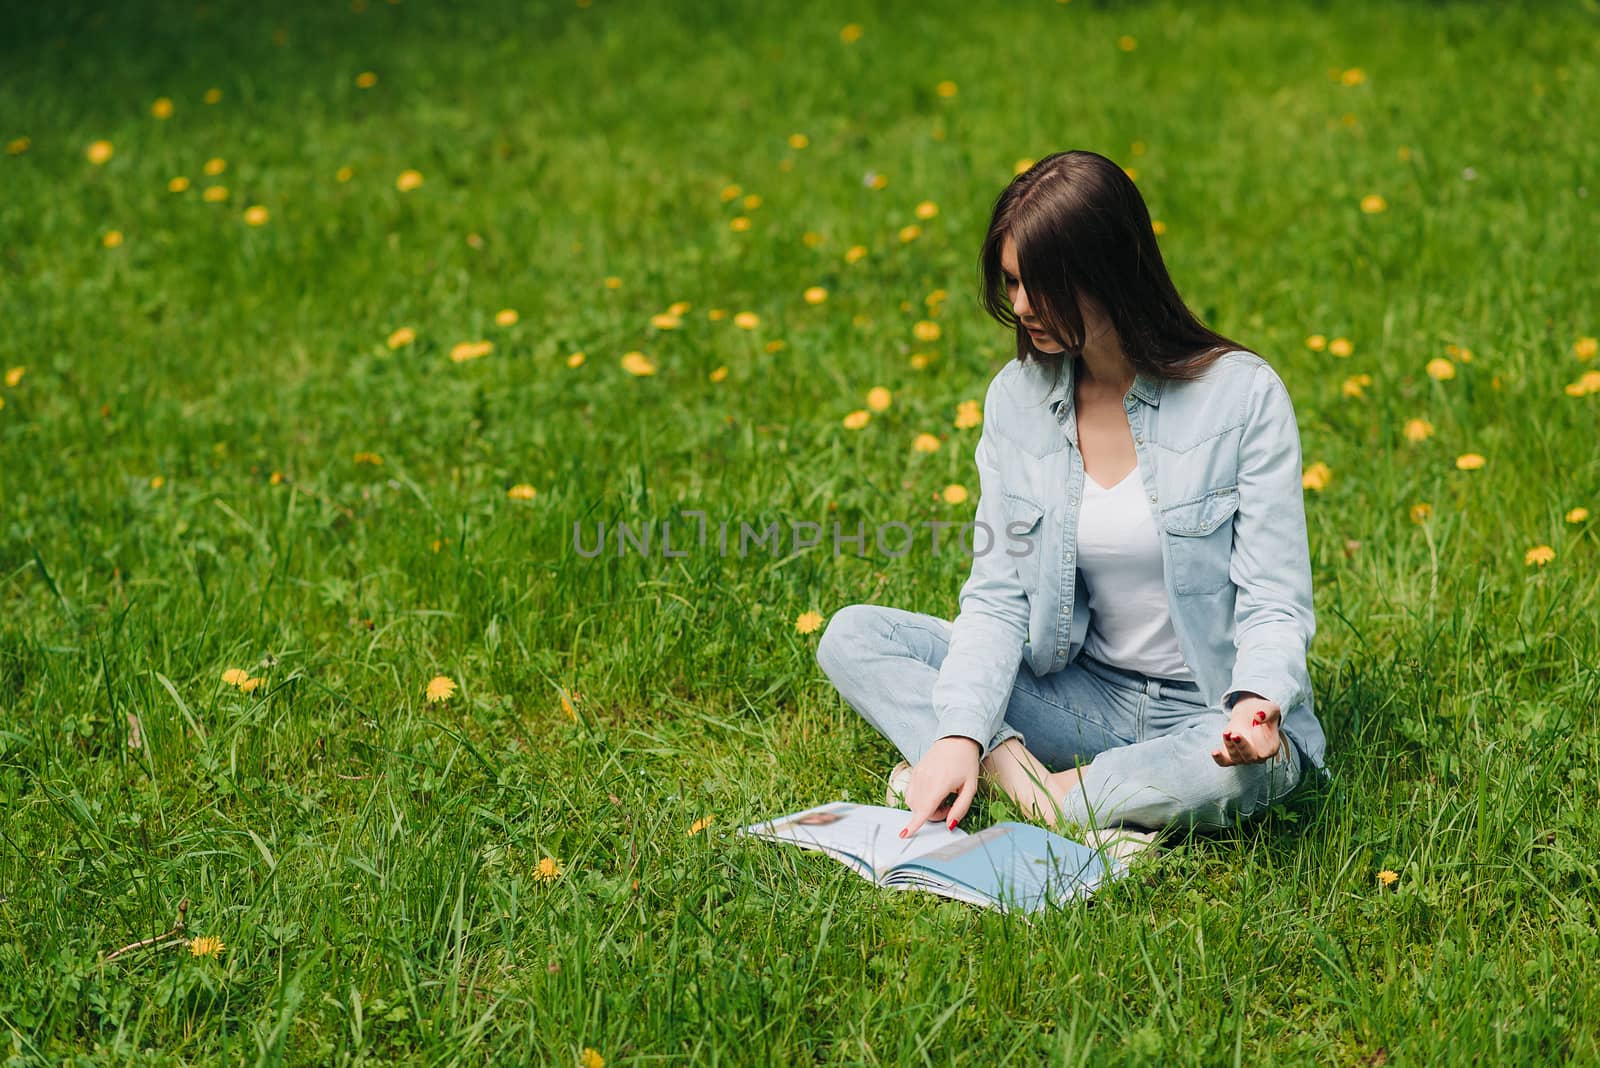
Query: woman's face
[(1095, 322)]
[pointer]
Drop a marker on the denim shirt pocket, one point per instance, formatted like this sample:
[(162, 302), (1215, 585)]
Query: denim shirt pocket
[(1023, 540), (1202, 541)]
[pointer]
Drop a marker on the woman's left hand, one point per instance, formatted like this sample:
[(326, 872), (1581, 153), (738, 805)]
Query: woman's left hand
[(1251, 735)]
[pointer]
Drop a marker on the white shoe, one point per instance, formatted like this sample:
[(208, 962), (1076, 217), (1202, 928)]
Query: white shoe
[(899, 783), (1119, 843)]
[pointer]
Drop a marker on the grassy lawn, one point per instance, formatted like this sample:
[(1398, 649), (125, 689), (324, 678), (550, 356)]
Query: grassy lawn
[(314, 420)]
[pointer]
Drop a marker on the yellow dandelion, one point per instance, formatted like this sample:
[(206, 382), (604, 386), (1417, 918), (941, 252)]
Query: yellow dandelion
[(955, 493), (716, 315), (522, 492), (919, 360), (1469, 461), (798, 140), (212, 95), (275, 479), (1418, 430), (808, 622), (1387, 877), (256, 215), (857, 419), (440, 688), (14, 376), (462, 351), (638, 364), (1372, 204), (1157, 227), (925, 443), (1355, 385), (1539, 555), (718, 374), (206, 946), (665, 321), (236, 676), (1585, 348), (18, 145), (157, 482), (815, 295), (947, 89), (215, 194), (879, 398), (505, 317), (731, 192), (811, 239), (575, 359), (1316, 477), (1577, 515), (161, 108), (678, 307), (855, 253), (99, 152), (1353, 76), (1421, 512), (1022, 165), (850, 33), (926, 330), (910, 233), (366, 80), (1441, 369), (1132, 173), (549, 868), (1316, 342), (1340, 347), (344, 174), (215, 166), (747, 320), (613, 282), (401, 337), (775, 345), (371, 458), (751, 201), (969, 413), (877, 181), (408, 180), (112, 239), (936, 298), (1127, 43), (705, 821), (178, 184), (1575, 389), (926, 210), (590, 1058)]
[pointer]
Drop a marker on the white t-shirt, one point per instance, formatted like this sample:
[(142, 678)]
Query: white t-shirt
[(1119, 553)]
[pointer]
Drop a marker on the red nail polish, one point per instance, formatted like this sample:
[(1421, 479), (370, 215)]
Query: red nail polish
[(952, 825)]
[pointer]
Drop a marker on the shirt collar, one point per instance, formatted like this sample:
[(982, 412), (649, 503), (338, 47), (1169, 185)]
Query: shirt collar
[(1145, 387)]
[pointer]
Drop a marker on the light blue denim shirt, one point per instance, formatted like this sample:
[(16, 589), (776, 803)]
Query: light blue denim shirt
[(1220, 461)]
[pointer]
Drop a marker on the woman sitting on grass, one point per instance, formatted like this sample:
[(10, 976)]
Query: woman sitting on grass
[(1130, 647)]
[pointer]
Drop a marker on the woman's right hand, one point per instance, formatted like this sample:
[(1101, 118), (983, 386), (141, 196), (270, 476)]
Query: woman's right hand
[(950, 766)]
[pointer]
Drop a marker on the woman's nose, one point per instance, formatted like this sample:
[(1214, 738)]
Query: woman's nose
[(1019, 303)]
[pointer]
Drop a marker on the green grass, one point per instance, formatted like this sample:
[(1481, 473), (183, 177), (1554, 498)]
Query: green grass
[(370, 859)]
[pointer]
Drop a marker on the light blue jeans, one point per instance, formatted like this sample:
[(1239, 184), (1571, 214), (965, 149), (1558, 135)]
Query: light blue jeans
[(1143, 744)]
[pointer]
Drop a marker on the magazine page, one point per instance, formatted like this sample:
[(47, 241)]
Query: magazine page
[(865, 836), (1019, 864)]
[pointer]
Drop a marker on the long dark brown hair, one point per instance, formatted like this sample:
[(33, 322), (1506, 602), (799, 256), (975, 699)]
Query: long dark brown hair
[(1081, 228)]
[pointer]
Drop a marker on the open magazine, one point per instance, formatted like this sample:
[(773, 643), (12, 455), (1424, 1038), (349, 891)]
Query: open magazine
[(1009, 866)]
